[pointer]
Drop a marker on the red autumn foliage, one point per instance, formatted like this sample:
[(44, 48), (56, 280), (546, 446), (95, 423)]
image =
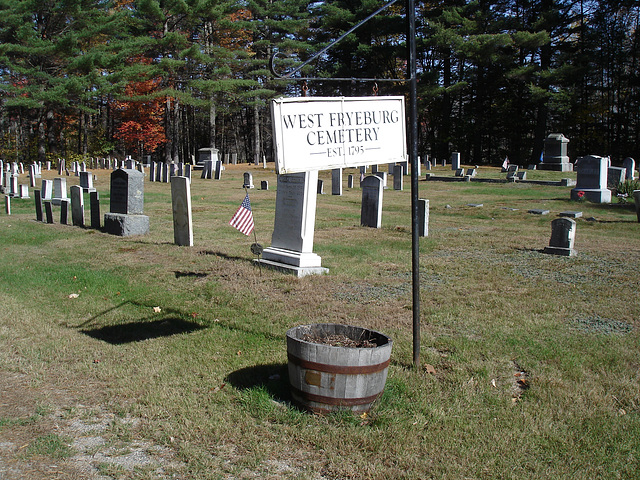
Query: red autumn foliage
[(141, 129)]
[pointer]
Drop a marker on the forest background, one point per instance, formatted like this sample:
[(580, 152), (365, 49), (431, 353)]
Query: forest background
[(167, 77)]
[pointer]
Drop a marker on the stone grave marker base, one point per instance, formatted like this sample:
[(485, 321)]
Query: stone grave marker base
[(126, 225)]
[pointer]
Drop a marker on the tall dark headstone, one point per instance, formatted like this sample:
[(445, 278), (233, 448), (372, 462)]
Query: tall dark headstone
[(127, 204), (371, 211)]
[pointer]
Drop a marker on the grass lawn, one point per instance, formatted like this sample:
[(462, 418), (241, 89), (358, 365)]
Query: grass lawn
[(529, 362)]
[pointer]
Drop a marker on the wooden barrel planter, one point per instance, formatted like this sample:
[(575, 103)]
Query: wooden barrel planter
[(327, 377)]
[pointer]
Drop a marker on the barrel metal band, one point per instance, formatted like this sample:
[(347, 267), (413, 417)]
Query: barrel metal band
[(340, 369), (334, 401)]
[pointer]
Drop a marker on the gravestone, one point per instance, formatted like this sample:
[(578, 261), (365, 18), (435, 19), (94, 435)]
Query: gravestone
[(264, 185), (24, 191), (374, 169), (350, 181), (615, 176), (629, 164), (48, 210), (472, 172), (459, 172), (563, 234), (398, 178), (247, 180), (455, 161), (165, 172), (59, 190), (371, 210), (159, 166), (7, 204), (32, 176), (291, 247), (405, 167), (94, 209), (208, 153), (181, 205), (47, 189), (320, 190), (207, 169), (38, 199), (187, 171), (152, 172), (555, 154), (423, 217), (218, 170), (521, 175), (127, 204), (592, 180), (13, 186), (336, 181), (64, 211), (427, 165), (77, 206), (234, 158), (86, 182), (383, 176), (636, 201)]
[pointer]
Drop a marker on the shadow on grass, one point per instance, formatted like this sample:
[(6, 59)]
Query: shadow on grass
[(274, 378), (142, 330)]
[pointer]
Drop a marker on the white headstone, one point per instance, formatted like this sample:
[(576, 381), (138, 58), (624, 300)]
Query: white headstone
[(292, 240)]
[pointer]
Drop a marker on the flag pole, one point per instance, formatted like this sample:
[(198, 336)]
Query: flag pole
[(258, 250)]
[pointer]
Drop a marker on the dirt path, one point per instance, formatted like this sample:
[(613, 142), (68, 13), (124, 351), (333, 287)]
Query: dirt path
[(48, 433)]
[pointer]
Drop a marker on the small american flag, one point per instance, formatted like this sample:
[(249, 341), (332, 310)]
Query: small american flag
[(243, 218)]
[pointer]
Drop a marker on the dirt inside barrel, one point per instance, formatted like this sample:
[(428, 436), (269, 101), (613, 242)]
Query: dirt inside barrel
[(337, 340)]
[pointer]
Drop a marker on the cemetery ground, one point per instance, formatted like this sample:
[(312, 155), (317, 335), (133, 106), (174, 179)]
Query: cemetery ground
[(134, 358)]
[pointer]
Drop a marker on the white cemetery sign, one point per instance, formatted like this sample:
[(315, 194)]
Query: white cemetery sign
[(324, 133)]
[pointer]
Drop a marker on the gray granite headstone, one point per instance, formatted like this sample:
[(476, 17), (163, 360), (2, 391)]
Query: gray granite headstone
[(398, 178), (563, 234), (423, 217), (264, 185), (218, 170), (455, 161), (371, 210), (94, 209), (592, 179), (555, 154), (615, 176), (38, 199), (636, 201), (182, 217), (64, 211), (7, 204), (59, 190), (86, 182), (247, 180), (127, 204), (320, 187), (152, 172), (383, 176), (47, 189), (629, 164), (350, 181), (336, 181), (77, 206), (48, 209)]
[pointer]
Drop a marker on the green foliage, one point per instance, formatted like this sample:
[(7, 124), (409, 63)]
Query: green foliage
[(624, 190)]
